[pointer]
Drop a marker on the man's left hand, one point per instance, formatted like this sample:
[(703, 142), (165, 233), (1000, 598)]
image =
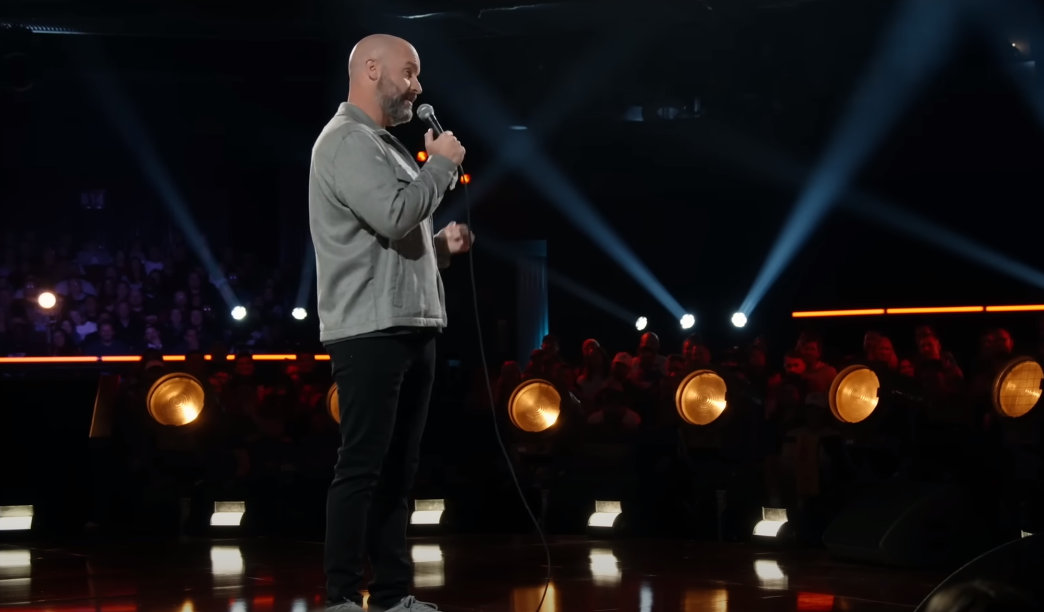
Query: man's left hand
[(458, 238)]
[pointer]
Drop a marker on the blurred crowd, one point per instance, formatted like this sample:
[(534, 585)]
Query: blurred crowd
[(779, 429), (126, 298)]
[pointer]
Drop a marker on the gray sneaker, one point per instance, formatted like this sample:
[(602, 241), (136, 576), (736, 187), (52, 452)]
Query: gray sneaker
[(410, 604), (348, 606)]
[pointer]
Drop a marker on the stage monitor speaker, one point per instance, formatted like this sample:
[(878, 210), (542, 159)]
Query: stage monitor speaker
[(903, 524), (1016, 564)]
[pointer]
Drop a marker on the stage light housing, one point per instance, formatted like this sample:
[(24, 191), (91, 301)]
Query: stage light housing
[(701, 397), (687, 321), (16, 518), (427, 511), (333, 405), (239, 313), (175, 400), (854, 394), (47, 300), (605, 514), (739, 319), (228, 514), (422, 156), (772, 519), (641, 323), (299, 313), (535, 406), (1017, 387)]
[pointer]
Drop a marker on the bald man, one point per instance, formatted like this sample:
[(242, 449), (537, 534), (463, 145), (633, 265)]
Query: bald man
[(381, 305)]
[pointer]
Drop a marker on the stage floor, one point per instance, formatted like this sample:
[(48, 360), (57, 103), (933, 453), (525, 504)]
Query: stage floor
[(494, 574)]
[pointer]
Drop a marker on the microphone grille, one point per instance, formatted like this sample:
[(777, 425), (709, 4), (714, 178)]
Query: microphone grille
[(424, 111)]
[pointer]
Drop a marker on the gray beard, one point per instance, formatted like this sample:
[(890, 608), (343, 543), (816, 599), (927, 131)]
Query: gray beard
[(394, 107)]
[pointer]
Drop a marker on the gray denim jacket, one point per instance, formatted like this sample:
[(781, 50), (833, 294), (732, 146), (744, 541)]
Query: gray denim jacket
[(369, 210)]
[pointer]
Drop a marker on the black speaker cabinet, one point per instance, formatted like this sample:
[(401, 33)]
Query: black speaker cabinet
[(903, 524)]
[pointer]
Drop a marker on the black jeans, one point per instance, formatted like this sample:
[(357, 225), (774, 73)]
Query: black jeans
[(384, 385)]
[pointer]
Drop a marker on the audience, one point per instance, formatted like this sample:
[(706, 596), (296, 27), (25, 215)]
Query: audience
[(151, 297)]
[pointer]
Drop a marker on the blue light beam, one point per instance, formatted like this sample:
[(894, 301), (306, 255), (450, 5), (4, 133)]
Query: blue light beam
[(918, 42), (114, 101), (485, 117)]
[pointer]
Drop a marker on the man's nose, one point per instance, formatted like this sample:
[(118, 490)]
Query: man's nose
[(417, 86)]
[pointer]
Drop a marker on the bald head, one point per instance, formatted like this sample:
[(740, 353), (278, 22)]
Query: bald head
[(383, 71)]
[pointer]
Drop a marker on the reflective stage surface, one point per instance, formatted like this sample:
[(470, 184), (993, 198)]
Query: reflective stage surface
[(495, 574)]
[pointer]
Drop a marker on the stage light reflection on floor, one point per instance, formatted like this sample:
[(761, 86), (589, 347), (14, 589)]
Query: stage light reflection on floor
[(15, 581), (770, 574), (429, 569), (705, 600), (525, 599), (605, 567)]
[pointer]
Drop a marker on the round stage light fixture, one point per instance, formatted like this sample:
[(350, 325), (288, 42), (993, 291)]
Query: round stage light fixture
[(239, 313), (700, 398), (739, 319), (687, 321), (535, 406), (300, 314), (641, 323), (854, 394), (333, 404), (47, 300), (1016, 388), (175, 399)]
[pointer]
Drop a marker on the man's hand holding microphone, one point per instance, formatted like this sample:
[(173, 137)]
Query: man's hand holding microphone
[(444, 145)]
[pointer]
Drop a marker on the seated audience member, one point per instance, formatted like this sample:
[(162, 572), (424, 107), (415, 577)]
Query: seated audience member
[(614, 421), (82, 325), (153, 339), (884, 354), (60, 345), (980, 596), (650, 342), (906, 368), (870, 340), (676, 366), (818, 374), (595, 371), (105, 343), (929, 349), (697, 355)]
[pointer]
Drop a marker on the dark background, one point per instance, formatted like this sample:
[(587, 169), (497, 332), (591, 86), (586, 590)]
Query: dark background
[(231, 99)]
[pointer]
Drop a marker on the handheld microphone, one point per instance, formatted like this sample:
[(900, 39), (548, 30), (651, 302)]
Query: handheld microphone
[(427, 114)]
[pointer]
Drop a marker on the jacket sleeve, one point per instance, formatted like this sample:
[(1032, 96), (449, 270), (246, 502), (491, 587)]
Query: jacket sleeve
[(366, 183)]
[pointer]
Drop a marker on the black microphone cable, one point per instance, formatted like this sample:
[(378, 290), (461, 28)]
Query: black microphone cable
[(489, 391)]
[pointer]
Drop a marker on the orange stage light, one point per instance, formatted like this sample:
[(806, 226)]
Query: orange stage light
[(422, 156), (121, 359), (275, 357), (465, 178), (173, 358), (322, 358), (1022, 308), (938, 310), (837, 313), (815, 602)]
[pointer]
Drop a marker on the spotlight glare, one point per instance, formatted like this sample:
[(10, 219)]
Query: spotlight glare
[(739, 319), (300, 314), (534, 406), (428, 511), (687, 321), (47, 300), (239, 313), (422, 156), (641, 323)]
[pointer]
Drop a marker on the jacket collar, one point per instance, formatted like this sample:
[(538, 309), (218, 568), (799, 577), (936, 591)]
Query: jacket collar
[(355, 113)]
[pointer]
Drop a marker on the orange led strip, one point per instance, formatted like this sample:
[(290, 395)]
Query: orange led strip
[(927, 310), (1023, 308), (136, 358), (837, 313), (48, 359), (939, 310)]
